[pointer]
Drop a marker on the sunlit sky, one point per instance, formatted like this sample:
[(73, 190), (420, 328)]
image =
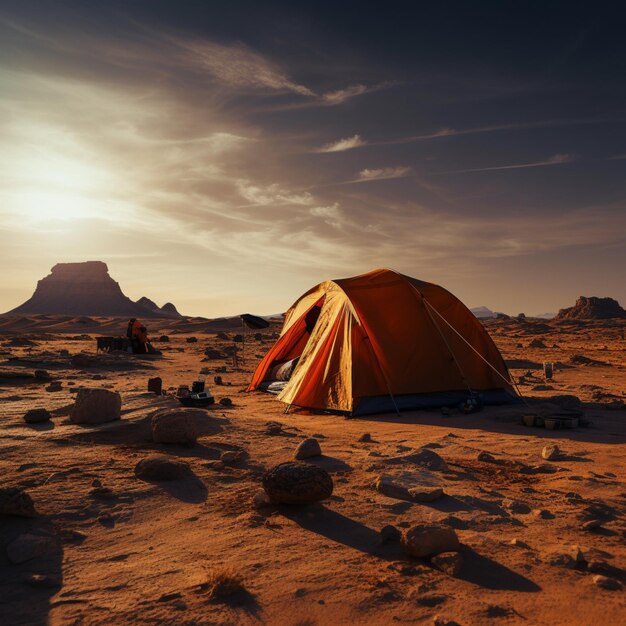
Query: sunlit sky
[(228, 156)]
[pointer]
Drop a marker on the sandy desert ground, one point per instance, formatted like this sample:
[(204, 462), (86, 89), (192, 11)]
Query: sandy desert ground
[(127, 551)]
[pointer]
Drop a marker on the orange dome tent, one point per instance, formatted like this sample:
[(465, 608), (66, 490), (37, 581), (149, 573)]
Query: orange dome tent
[(380, 342)]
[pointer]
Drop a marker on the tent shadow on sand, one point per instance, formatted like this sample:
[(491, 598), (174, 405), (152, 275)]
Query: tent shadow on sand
[(606, 429)]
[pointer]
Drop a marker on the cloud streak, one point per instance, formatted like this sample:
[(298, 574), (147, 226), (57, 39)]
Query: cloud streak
[(557, 159), (349, 143)]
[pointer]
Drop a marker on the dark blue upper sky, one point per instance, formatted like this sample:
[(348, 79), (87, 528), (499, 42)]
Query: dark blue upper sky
[(481, 145)]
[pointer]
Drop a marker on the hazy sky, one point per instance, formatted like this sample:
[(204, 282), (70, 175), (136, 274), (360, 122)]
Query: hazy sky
[(227, 156)]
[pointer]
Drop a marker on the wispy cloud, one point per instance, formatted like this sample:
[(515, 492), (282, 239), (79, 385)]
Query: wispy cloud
[(343, 144), (383, 173), (557, 159), (342, 95)]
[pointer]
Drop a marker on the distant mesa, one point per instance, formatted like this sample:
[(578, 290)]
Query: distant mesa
[(83, 289), (483, 313), (592, 308)]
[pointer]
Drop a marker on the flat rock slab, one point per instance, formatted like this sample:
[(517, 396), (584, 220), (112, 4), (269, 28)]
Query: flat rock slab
[(422, 458), (422, 486)]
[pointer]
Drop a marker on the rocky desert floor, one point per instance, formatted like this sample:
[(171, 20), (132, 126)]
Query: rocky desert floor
[(543, 541)]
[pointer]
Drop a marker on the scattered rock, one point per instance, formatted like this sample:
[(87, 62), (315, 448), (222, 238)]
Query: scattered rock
[(159, 467), (231, 456), (448, 562), (273, 428), (296, 482), (54, 386), (365, 438), (551, 452), (226, 402), (591, 524), (260, 500), (27, 547), (42, 581), (36, 416), (429, 539), (42, 375), (174, 426), (515, 506), (537, 343), (15, 501), (485, 457), (605, 582), (444, 621), (390, 534), (543, 514), (570, 557), (518, 543), (308, 448), (192, 340), (96, 406)]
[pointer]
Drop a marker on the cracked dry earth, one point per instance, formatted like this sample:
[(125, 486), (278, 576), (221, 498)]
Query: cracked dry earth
[(143, 552)]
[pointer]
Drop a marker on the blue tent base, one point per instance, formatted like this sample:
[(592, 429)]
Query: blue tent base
[(385, 404)]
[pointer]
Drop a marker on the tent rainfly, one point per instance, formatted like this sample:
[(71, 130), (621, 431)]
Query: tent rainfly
[(381, 342)]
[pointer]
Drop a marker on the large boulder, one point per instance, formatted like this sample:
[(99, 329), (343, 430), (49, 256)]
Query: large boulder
[(429, 539), (175, 426), (15, 501), (159, 467), (96, 406), (297, 483)]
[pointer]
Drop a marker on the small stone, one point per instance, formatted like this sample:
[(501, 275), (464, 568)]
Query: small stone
[(604, 582), (307, 449), (96, 406), (448, 562), (159, 467), (390, 534), (365, 438), (36, 416), (429, 539), (27, 547), (230, 456), (543, 514), (591, 524), (518, 543), (444, 621), (42, 581), (273, 428), (515, 506), (15, 501), (485, 457), (226, 402), (96, 482), (570, 557), (42, 375), (54, 386), (551, 452), (260, 500)]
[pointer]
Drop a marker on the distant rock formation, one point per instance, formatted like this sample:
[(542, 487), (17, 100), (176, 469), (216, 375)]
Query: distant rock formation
[(483, 313), (148, 304), (592, 308), (85, 289), (169, 309)]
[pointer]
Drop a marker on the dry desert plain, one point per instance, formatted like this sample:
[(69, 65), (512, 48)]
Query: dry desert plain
[(111, 548)]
